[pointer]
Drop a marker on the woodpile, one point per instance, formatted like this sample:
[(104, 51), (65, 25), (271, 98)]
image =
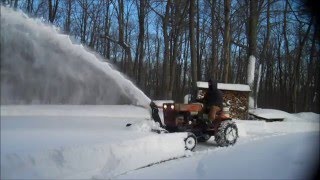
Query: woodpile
[(237, 102)]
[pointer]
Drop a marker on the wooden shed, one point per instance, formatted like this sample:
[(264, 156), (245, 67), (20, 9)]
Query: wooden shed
[(235, 96)]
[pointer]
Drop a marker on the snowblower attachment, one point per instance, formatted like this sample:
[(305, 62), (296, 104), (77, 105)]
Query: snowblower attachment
[(155, 113)]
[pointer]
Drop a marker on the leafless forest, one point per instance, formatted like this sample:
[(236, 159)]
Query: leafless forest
[(164, 46)]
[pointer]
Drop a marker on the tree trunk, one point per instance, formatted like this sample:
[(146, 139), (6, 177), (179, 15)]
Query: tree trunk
[(84, 21), (296, 75), (15, 5), (53, 9), (157, 68), (198, 41), (166, 55), (29, 6), (194, 67), (226, 40), (252, 39), (68, 18), (311, 72), (253, 20), (107, 22), (141, 14), (128, 58), (214, 42)]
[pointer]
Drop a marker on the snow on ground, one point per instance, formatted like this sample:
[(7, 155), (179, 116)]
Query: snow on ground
[(120, 111), (271, 114), (63, 141), (265, 150), (279, 157), (80, 141)]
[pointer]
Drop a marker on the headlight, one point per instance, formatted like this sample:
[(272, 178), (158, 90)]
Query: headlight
[(172, 106), (165, 106)]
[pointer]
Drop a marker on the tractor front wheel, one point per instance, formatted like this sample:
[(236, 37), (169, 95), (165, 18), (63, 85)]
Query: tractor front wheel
[(190, 141)]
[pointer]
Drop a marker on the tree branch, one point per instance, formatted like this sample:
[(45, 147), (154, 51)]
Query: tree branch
[(160, 15), (122, 44)]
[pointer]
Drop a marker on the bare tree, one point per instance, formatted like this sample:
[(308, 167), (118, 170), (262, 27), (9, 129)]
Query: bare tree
[(141, 14), (194, 67), (67, 25), (177, 42), (226, 40), (214, 41), (29, 6), (53, 7)]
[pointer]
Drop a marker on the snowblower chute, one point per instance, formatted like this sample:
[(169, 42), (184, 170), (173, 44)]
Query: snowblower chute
[(155, 113)]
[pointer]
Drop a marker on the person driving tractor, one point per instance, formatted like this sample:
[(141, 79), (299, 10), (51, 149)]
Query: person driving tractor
[(213, 99)]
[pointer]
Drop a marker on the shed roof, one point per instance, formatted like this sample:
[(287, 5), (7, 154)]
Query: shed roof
[(224, 86)]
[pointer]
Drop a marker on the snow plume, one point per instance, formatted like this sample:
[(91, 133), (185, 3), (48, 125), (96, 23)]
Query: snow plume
[(41, 66)]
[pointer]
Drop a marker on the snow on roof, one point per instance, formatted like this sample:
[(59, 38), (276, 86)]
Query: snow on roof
[(278, 114), (201, 84), (223, 86), (234, 87), (269, 113)]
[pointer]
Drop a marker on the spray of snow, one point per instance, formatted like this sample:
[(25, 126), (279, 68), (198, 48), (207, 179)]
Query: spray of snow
[(41, 66)]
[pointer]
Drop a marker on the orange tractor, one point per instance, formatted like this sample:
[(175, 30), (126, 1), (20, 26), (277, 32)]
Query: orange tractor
[(192, 116)]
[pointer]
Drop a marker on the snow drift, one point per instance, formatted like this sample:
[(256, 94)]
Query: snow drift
[(41, 66), (89, 141), (73, 142), (99, 160)]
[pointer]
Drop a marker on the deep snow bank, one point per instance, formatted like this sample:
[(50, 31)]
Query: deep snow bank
[(80, 141), (278, 114), (300, 122), (100, 160), (116, 111)]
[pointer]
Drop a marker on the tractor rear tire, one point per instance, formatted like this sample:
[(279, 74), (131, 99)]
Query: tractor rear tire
[(227, 133), (190, 142)]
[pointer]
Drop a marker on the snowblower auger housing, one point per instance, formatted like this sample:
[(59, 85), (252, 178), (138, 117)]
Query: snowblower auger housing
[(192, 117)]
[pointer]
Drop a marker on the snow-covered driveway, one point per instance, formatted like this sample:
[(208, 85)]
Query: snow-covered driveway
[(63, 141), (291, 156)]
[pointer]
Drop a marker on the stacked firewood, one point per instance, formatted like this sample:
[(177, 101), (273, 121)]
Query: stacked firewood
[(237, 102)]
